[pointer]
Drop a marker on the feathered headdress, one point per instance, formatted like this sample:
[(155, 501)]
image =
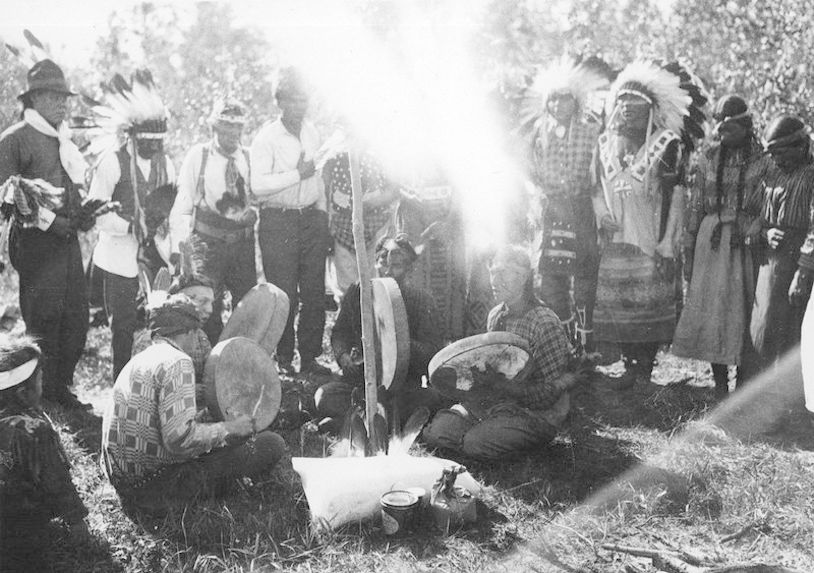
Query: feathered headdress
[(573, 76), (193, 255), (133, 108), (676, 95)]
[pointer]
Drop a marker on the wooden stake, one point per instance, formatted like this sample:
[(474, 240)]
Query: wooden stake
[(366, 295)]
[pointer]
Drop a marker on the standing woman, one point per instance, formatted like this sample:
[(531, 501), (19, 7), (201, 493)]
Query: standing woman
[(714, 324), (786, 239)]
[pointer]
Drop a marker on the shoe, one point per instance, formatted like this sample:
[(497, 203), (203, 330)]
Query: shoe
[(314, 367), (330, 303)]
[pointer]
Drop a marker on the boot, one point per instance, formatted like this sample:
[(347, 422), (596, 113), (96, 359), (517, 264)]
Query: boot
[(720, 372)]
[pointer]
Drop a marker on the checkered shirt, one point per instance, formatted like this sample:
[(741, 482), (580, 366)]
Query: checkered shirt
[(563, 165), (200, 351), (550, 351), (151, 421)]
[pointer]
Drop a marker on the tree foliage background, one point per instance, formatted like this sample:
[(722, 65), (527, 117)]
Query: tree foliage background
[(762, 49)]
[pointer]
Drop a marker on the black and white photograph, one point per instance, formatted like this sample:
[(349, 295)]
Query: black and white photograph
[(407, 285)]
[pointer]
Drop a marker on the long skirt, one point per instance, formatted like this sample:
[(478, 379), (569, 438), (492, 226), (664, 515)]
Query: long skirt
[(775, 326), (635, 302), (714, 320)]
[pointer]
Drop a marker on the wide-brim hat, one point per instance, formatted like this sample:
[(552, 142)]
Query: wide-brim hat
[(46, 75)]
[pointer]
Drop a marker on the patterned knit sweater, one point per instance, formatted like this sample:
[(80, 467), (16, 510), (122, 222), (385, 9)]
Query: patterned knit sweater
[(152, 419)]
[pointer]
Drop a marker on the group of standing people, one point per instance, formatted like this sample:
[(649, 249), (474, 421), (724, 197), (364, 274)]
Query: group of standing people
[(616, 186), (613, 186)]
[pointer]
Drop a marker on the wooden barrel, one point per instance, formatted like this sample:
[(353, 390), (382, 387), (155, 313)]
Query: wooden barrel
[(261, 315), (240, 377)]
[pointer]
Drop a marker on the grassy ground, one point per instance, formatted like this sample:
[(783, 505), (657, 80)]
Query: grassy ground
[(656, 466)]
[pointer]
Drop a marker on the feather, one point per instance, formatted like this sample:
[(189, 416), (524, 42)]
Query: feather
[(402, 443), (126, 106), (162, 280), (25, 57), (193, 256), (353, 440), (38, 50), (33, 40), (569, 75), (379, 447)]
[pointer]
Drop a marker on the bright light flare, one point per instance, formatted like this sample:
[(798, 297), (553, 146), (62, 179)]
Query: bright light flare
[(415, 102)]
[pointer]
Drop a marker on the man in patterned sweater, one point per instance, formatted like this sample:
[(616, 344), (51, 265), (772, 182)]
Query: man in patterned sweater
[(521, 416), (154, 448)]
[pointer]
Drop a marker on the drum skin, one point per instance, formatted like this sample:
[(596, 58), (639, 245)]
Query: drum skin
[(260, 315), (392, 333), (502, 352), (240, 377)]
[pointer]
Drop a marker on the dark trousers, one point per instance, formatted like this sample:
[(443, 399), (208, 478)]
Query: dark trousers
[(205, 476), (54, 306), (120, 305), (230, 266), (556, 278), (294, 245)]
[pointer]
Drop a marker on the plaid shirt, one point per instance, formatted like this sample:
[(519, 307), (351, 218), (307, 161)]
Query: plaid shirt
[(550, 351), (151, 421), (563, 165)]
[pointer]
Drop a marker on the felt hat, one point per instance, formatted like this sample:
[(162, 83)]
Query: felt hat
[(228, 110), (46, 75)]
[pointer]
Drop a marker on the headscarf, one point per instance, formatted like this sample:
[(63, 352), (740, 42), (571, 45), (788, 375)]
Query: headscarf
[(173, 315), (784, 131)]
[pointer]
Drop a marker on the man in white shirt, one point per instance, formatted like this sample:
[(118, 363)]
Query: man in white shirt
[(213, 204), (293, 229), (128, 237)]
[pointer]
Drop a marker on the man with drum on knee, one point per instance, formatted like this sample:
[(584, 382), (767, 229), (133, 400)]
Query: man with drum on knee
[(394, 259), (155, 449), (519, 415)]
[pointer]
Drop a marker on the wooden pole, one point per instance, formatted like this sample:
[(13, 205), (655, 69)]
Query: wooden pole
[(366, 295)]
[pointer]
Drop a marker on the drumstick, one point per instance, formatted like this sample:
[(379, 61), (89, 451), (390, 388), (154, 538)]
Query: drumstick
[(256, 406)]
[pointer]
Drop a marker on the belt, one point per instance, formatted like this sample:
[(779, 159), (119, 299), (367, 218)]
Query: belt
[(222, 234), (299, 210)]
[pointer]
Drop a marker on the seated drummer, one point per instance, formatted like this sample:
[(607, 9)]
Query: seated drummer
[(394, 259), (155, 449), (35, 479), (519, 415)]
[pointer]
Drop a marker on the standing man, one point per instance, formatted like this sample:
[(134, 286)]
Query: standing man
[(657, 113), (293, 222), (53, 296), (213, 204), (128, 238), (562, 148)]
